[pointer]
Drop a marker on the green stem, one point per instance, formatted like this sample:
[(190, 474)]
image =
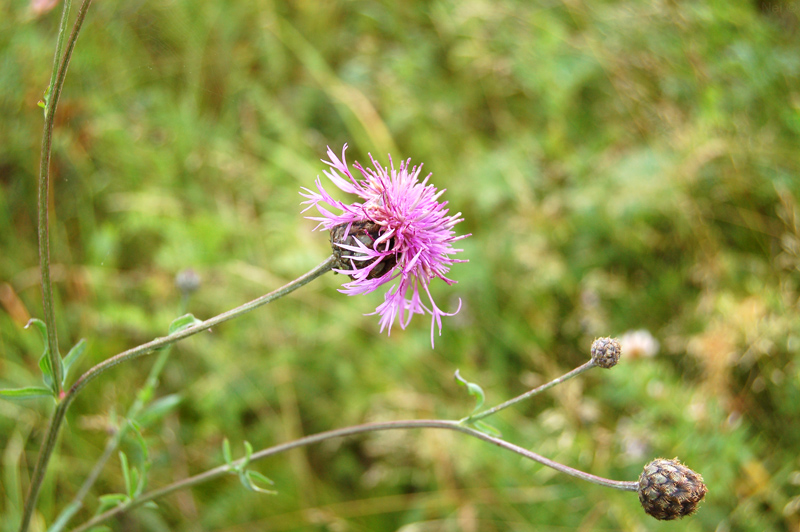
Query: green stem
[(51, 101), (60, 65), (113, 442), (136, 352), (350, 431), (486, 413)]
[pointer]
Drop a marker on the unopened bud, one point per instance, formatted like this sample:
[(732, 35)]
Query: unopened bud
[(669, 490), (606, 352), (187, 281)]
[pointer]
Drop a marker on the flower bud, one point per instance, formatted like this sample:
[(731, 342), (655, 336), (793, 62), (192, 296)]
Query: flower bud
[(606, 352), (367, 233), (187, 281), (669, 490)]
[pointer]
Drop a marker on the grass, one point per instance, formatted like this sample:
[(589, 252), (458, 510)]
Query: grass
[(620, 166)]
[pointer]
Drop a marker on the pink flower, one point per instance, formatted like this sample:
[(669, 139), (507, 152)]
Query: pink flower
[(398, 233)]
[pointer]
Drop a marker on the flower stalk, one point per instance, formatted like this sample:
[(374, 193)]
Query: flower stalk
[(530, 393), (58, 416), (351, 431)]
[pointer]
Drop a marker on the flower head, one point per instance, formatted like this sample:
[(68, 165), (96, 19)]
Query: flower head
[(669, 490), (398, 233), (606, 352)]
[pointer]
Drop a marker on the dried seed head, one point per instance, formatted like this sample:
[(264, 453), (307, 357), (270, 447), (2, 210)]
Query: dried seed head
[(669, 490), (365, 232), (606, 352)]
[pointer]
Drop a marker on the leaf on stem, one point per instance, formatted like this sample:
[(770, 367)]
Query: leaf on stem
[(109, 501), (158, 409), (182, 323), (44, 361), (66, 514), (126, 473), (30, 392), (474, 390), (249, 477), (226, 453), (73, 356)]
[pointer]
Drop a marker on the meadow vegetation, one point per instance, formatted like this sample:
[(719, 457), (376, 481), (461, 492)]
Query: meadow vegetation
[(620, 165)]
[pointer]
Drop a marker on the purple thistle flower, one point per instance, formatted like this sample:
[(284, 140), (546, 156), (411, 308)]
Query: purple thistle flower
[(399, 232)]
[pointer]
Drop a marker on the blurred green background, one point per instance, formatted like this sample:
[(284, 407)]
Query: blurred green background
[(621, 166)]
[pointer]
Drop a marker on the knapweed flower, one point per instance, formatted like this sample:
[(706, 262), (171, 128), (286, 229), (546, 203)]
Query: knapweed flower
[(398, 233), (669, 490)]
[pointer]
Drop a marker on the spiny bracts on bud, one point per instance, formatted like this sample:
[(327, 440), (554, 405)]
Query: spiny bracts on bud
[(669, 490), (606, 352), (367, 233)]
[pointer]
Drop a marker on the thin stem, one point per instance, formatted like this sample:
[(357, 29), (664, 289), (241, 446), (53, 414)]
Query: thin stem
[(486, 413), (51, 99), (60, 65), (144, 349), (350, 431), (113, 442), (164, 341), (57, 77)]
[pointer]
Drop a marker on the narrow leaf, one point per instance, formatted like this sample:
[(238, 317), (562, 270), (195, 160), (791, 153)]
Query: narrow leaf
[(474, 390), (226, 452), (158, 409), (44, 360), (135, 479), (140, 440), (126, 472), (63, 518), (251, 477), (488, 429), (109, 501), (184, 322), (26, 393), (73, 356)]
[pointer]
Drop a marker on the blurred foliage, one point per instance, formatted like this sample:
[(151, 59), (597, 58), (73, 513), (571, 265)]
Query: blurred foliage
[(621, 165)]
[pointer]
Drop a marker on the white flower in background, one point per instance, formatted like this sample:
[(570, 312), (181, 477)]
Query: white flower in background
[(639, 343)]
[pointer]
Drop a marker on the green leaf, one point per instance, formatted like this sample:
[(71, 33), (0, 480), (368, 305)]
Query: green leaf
[(111, 500), (44, 360), (248, 452), (30, 392), (474, 390), (47, 372), (158, 409), (248, 479), (139, 476), (136, 479), (140, 439), (45, 101), (73, 356), (182, 323), (488, 429), (64, 517), (126, 472), (226, 452)]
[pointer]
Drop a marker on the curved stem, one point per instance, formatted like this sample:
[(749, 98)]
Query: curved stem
[(350, 431), (486, 413), (114, 440), (60, 65), (136, 352), (51, 101), (164, 341)]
